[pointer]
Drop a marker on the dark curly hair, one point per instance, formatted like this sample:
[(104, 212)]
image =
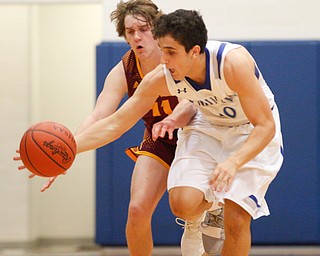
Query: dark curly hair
[(185, 26), (144, 8)]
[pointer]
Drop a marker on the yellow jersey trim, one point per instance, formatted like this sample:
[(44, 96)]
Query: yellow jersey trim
[(139, 67), (134, 152)]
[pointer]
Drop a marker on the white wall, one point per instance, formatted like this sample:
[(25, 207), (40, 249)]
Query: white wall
[(47, 71), (246, 19), (14, 113)]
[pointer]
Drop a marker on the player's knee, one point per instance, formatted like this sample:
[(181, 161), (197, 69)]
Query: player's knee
[(138, 212), (181, 206), (179, 209)]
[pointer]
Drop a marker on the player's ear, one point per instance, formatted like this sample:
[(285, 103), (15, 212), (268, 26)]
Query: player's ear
[(195, 50)]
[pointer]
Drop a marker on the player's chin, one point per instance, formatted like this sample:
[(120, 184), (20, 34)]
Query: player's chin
[(175, 75), (141, 52)]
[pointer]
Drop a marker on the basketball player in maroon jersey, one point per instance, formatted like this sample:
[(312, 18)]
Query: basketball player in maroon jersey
[(134, 21)]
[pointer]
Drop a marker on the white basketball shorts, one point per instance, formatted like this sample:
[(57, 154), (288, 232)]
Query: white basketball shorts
[(201, 145)]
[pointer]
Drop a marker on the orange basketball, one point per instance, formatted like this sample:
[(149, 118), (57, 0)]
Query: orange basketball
[(47, 149)]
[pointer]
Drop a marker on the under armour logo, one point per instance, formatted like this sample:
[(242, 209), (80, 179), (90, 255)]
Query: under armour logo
[(180, 91)]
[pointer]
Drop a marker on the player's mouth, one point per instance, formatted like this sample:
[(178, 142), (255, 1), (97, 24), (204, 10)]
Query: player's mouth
[(174, 74)]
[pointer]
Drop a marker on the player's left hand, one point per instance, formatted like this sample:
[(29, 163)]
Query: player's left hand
[(48, 183), (22, 167), (161, 128), (223, 176)]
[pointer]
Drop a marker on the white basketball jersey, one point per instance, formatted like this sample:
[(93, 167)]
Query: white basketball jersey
[(219, 104)]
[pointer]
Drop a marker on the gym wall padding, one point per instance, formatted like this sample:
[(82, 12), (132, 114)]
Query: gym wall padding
[(292, 70)]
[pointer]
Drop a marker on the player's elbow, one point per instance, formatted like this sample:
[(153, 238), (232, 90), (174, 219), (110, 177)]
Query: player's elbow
[(270, 128)]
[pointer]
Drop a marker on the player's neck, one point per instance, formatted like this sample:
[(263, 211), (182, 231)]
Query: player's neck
[(198, 69), (151, 62)]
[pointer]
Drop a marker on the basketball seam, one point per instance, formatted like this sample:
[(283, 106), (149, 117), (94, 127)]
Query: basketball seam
[(27, 155)]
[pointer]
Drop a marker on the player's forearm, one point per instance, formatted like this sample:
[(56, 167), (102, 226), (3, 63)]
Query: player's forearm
[(183, 113), (259, 138), (96, 136), (90, 120), (105, 130), (108, 129)]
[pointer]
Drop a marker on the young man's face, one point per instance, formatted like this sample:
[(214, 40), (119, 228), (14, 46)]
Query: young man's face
[(178, 61), (139, 36)]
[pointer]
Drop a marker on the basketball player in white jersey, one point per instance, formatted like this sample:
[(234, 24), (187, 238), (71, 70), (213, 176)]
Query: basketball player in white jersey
[(229, 153)]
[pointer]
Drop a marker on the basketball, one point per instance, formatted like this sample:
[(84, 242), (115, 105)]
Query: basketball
[(47, 149)]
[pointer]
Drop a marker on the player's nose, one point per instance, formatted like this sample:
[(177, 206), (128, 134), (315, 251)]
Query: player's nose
[(163, 60)]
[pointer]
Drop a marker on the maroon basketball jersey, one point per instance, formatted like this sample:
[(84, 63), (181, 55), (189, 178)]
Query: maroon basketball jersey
[(163, 105), (163, 148)]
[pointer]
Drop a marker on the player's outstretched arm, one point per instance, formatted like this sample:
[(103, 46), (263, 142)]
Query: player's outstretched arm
[(181, 116), (98, 114), (112, 127), (114, 89)]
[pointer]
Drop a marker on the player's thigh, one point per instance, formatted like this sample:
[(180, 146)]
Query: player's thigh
[(149, 181)]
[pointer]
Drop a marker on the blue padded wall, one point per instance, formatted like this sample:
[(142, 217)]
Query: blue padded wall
[(292, 70)]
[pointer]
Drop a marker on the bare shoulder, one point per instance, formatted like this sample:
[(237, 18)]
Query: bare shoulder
[(117, 71), (238, 68), (115, 84), (239, 57)]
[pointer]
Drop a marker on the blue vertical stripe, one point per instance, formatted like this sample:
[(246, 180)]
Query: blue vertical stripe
[(256, 71), (219, 57), (255, 200)]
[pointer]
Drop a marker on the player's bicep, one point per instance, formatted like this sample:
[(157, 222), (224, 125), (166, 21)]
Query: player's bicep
[(114, 89), (240, 76)]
